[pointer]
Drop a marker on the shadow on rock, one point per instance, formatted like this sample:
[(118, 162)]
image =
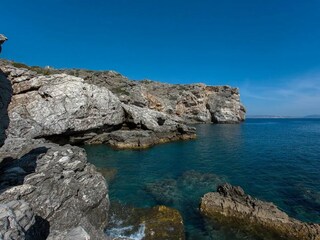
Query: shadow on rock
[(39, 230), (14, 171), (5, 98)]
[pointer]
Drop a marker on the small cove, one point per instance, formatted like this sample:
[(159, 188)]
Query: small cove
[(272, 159)]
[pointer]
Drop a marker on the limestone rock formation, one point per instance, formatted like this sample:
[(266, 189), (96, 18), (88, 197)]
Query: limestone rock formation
[(231, 206), (63, 190)]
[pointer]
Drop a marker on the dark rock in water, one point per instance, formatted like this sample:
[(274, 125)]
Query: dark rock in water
[(154, 223), (58, 183), (187, 188), (165, 192), (193, 180), (231, 206)]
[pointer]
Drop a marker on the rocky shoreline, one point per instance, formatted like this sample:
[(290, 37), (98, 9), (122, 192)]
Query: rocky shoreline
[(48, 190)]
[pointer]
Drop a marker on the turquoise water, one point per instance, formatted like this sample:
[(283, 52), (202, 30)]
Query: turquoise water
[(275, 160)]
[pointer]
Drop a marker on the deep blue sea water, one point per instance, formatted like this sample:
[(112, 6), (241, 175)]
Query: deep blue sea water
[(275, 160)]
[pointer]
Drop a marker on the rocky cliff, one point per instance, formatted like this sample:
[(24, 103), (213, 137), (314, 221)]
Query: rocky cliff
[(192, 103)]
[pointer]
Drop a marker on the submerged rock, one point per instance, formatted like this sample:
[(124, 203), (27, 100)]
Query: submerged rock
[(63, 189), (231, 206), (184, 190), (159, 222)]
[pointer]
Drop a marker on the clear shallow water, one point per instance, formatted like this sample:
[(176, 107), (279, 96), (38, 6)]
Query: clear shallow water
[(275, 160)]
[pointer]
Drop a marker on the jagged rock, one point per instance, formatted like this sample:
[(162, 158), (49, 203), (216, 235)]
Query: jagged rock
[(231, 206), (61, 187), (16, 218), (58, 104)]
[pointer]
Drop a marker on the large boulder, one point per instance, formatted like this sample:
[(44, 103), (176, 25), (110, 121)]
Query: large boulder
[(231, 206), (63, 189), (58, 104)]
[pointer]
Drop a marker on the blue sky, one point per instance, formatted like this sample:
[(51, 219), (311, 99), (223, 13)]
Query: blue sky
[(269, 49)]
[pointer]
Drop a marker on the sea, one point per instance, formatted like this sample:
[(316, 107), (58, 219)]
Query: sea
[(275, 160)]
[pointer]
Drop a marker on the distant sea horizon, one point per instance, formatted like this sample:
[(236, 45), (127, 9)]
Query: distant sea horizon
[(280, 116)]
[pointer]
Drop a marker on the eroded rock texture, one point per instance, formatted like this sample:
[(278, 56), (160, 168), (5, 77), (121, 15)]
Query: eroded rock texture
[(231, 206), (63, 190)]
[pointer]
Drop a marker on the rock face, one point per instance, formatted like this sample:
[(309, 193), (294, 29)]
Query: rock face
[(230, 205), (63, 190)]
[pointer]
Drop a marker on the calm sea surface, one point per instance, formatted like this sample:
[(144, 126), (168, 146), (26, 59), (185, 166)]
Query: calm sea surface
[(275, 160)]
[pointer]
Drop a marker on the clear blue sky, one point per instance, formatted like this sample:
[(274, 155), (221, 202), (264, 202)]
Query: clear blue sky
[(268, 48)]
